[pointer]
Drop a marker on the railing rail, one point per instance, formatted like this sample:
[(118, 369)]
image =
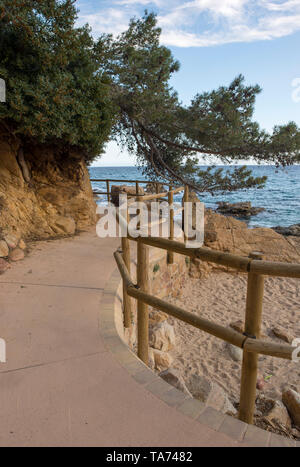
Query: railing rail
[(254, 266)]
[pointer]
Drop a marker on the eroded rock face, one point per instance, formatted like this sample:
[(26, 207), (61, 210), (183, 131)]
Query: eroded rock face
[(231, 235), (59, 189)]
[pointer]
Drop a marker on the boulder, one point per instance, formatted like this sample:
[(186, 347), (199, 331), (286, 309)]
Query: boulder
[(4, 266), (4, 250), (239, 209), (210, 393), (235, 353), (151, 188), (293, 230), (117, 190), (162, 337), (174, 378), (163, 360), (12, 241), (291, 400), (65, 225), (22, 244), (278, 415), (283, 334), (157, 316), (16, 255)]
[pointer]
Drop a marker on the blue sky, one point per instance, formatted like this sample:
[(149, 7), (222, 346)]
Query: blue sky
[(215, 40)]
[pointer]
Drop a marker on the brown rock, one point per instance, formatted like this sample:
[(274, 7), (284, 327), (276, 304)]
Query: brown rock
[(11, 240), (117, 190), (66, 225), (279, 415), (16, 255), (174, 378), (163, 360), (4, 250), (291, 400), (162, 337), (4, 265), (22, 244), (283, 334), (158, 316), (239, 209)]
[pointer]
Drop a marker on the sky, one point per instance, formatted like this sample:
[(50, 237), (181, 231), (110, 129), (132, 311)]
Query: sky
[(216, 40)]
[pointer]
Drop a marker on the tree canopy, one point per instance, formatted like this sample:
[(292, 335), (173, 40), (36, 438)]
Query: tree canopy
[(64, 87)]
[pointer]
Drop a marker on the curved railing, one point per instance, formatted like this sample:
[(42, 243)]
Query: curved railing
[(250, 341)]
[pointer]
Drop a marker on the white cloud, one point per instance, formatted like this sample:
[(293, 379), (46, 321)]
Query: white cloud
[(202, 23)]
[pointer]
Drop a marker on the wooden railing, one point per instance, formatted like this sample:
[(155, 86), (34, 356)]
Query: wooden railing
[(250, 341)]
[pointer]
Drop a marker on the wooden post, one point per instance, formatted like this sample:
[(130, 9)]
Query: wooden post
[(254, 309), (157, 188), (184, 214), (170, 256), (126, 298), (107, 189), (143, 316), (137, 188)]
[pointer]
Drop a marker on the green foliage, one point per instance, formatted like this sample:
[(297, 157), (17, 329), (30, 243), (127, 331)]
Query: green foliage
[(156, 268), (56, 93)]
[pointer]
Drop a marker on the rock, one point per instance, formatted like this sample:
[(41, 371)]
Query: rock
[(4, 250), (238, 326), (12, 241), (233, 236), (293, 230), (22, 244), (16, 255), (283, 334), (279, 415), (174, 378), (260, 384), (235, 352), (162, 337), (238, 209), (151, 363), (163, 360), (291, 400), (4, 265), (66, 224), (209, 393), (59, 187), (117, 190), (158, 316)]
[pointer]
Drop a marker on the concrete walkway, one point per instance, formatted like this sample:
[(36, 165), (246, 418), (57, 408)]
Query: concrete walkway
[(61, 386)]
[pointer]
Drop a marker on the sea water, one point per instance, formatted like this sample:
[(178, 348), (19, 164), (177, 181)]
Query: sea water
[(280, 197)]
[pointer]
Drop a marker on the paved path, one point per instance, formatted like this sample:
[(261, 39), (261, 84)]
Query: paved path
[(61, 386)]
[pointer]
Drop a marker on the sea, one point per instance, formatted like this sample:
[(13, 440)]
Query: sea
[(280, 197)]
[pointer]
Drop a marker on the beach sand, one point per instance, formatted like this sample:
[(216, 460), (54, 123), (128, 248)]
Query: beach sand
[(221, 298)]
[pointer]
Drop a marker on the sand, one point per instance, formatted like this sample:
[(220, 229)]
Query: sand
[(221, 298)]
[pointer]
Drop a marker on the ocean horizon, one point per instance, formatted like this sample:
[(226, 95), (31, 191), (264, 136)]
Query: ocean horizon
[(280, 197)]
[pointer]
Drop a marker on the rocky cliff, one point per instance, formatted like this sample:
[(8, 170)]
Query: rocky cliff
[(44, 193)]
